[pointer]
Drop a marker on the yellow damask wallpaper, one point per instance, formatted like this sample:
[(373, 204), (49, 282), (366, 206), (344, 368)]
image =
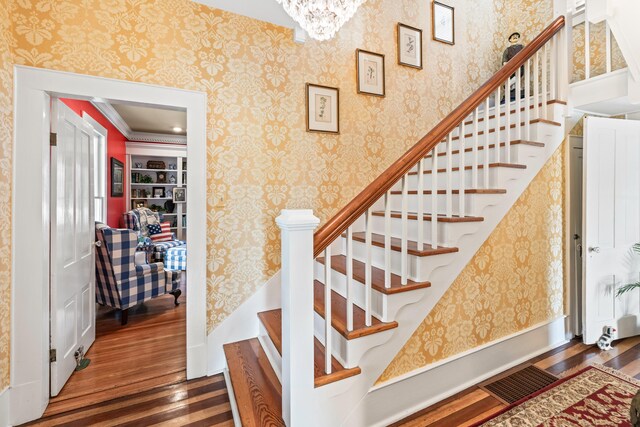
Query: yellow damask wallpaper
[(260, 158), (597, 51), (513, 282)]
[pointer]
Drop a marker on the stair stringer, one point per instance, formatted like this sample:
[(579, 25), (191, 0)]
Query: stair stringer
[(339, 403)]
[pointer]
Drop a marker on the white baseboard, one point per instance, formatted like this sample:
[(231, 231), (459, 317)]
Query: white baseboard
[(396, 400), (4, 408), (242, 324)]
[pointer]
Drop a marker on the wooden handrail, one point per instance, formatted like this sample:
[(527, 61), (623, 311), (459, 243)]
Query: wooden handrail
[(339, 223)]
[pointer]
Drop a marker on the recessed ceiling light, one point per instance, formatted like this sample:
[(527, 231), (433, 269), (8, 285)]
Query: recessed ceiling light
[(177, 129)]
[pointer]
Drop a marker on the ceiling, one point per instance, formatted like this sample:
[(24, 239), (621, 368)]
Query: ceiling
[(149, 119), (263, 10)]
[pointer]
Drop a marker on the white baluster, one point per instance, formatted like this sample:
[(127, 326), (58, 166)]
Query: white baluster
[(327, 310), (507, 124), (474, 165), (518, 109), (461, 173), (527, 102), (449, 192), (387, 240), (485, 163), (553, 67), (368, 272), (434, 198), (545, 86), (420, 201), (350, 279), (405, 225), (608, 46), (536, 86), (497, 120)]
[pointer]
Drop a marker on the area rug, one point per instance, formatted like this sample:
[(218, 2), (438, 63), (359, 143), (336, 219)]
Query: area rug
[(595, 396)]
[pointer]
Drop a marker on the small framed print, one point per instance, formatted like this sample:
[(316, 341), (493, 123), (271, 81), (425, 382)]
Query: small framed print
[(443, 23), (409, 46), (117, 178), (158, 192), (323, 109), (179, 195), (370, 72)]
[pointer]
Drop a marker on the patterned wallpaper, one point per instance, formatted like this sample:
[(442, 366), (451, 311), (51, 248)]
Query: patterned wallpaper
[(260, 158), (513, 282), (597, 51)]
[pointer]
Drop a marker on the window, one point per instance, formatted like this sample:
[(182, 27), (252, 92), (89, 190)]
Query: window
[(99, 169)]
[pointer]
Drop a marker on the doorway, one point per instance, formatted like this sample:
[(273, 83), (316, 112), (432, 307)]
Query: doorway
[(31, 215)]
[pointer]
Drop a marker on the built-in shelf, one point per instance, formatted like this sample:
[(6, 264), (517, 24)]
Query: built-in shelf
[(150, 198), (153, 184), (153, 170)]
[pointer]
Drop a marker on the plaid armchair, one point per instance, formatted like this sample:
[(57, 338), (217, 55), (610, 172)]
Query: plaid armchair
[(138, 219), (120, 282)]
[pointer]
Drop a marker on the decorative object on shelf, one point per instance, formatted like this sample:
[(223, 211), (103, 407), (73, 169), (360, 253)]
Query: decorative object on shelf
[(173, 166), (443, 23), (158, 192), (179, 195), (409, 46), (146, 179), (156, 208), (370, 72), (169, 206), (117, 178), (140, 204), (323, 109), (137, 165), (156, 164), (135, 177), (184, 165), (161, 177), (321, 19), (172, 179)]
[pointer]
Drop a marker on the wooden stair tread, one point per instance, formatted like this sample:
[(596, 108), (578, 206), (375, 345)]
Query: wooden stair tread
[(511, 126), (513, 111), (466, 191), (256, 387), (339, 315), (396, 243), (502, 144), (469, 167), (339, 264), (272, 321), (428, 217)]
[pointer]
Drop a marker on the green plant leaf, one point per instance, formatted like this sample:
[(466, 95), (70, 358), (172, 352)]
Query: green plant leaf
[(626, 288)]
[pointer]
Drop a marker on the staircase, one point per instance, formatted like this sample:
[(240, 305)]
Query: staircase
[(354, 292)]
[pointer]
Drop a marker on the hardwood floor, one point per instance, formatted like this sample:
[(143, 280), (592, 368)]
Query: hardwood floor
[(148, 352), (474, 404)]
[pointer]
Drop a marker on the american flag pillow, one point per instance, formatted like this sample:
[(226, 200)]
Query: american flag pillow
[(161, 232)]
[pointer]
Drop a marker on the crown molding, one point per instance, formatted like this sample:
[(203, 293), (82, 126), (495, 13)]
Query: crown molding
[(107, 110)]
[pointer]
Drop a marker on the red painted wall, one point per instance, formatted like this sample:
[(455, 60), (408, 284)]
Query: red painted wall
[(115, 148)]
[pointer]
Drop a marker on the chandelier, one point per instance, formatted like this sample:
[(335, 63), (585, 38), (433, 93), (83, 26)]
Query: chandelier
[(321, 19)]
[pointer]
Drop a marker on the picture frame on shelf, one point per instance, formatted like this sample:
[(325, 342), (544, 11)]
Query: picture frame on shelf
[(161, 177), (158, 192), (179, 195), (370, 73), (323, 108), (409, 46), (117, 178), (443, 23)]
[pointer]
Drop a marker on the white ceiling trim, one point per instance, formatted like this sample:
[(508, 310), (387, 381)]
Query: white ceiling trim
[(112, 115)]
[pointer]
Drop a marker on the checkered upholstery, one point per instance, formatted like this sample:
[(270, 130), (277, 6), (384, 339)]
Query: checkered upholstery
[(138, 219), (176, 258), (120, 283)]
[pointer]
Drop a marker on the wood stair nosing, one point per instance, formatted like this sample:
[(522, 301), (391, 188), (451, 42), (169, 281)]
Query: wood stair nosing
[(412, 216), (469, 167), (396, 243), (256, 387), (272, 321), (512, 126), (513, 111), (481, 147), (339, 264), (466, 191)]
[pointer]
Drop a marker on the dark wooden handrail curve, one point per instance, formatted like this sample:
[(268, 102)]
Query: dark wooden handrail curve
[(339, 223)]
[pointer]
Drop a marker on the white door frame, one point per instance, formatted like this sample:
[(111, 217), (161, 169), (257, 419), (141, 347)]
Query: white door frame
[(30, 222)]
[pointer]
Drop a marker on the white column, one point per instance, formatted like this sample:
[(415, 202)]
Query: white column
[(297, 228)]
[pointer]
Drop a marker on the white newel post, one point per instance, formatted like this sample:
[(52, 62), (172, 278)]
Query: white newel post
[(297, 227)]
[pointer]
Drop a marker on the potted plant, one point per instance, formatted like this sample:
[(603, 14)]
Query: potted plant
[(630, 286)]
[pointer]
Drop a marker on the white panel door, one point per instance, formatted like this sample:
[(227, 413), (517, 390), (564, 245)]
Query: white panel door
[(611, 226), (72, 242)]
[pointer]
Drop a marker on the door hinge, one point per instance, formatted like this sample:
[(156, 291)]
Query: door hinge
[(53, 139), (52, 355)]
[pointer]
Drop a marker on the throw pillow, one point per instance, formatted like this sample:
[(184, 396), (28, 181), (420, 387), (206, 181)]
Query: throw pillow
[(165, 234), (154, 229)]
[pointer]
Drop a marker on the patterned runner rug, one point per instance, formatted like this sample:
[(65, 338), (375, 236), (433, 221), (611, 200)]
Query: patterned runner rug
[(595, 396)]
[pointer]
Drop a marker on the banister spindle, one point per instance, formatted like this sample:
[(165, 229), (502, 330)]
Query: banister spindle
[(497, 120), (545, 86), (387, 239), (554, 68), (434, 197), (350, 279), (474, 155), (461, 173), (536, 86), (527, 100), (518, 109), (368, 272), (485, 163), (449, 192), (327, 310), (405, 225), (507, 124), (420, 201)]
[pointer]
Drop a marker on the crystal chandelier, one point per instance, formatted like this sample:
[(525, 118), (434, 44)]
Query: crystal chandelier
[(321, 19)]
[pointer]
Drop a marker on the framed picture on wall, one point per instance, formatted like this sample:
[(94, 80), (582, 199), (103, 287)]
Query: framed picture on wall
[(117, 178), (370, 72), (179, 195), (323, 109), (409, 46), (443, 23)]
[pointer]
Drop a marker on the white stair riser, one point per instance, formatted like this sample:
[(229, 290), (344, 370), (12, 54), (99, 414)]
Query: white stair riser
[(519, 154), (474, 203), (449, 233), (497, 178), (270, 349)]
